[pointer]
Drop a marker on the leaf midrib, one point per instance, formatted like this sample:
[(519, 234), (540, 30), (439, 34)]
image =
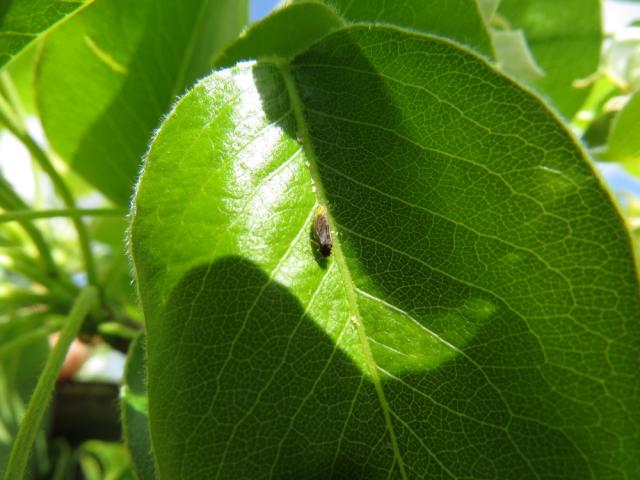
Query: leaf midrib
[(339, 259)]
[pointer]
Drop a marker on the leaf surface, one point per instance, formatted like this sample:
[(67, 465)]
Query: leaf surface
[(105, 79), (475, 319)]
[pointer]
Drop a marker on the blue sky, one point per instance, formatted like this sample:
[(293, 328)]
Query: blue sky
[(259, 8)]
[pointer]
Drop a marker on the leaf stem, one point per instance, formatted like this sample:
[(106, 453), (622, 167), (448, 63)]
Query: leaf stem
[(20, 298), (30, 423), (43, 159), (59, 287), (8, 89), (10, 200), (22, 215)]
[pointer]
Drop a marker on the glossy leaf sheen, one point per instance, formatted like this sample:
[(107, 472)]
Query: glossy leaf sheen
[(22, 21), (105, 79), (565, 39), (476, 318)]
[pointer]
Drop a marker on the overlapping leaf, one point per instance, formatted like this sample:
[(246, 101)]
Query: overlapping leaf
[(460, 20), (284, 33), (106, 78)]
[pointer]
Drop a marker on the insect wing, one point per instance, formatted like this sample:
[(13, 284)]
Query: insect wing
[(323, 233)]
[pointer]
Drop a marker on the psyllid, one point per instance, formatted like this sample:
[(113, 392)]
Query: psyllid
[(323, 231)]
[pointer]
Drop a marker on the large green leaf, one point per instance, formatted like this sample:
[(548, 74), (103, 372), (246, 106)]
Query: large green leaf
[(565, 39), (22, 21), (476, 319), (105, 79), (460, 20)]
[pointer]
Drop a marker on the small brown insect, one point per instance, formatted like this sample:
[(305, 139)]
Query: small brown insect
[(323, 232)]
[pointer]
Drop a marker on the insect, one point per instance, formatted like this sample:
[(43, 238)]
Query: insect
[(323, 232)]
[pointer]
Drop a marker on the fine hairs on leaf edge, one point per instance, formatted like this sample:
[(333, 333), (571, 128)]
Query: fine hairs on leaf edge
[(135, 190)]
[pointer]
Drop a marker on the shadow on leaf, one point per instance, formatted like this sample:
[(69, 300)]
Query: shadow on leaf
[(254, 389), (247, 386)]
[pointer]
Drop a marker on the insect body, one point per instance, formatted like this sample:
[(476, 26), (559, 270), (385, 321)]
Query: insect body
[(323, 231)]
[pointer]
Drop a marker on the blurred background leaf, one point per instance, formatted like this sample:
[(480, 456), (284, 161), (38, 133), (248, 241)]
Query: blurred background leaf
[(23, 352), (565, 39), (105, 79)]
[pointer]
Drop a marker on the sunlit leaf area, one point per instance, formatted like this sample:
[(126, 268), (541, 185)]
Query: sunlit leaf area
[(319, 239)]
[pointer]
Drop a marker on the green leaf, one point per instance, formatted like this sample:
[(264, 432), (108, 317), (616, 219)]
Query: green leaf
[(514, 56), (601, 91), (621, 61), (22, 74), (22, 21), (104, 80), (135, 411), (284, 33), (459, 20), (624, 143), (598, 131), (565, 39), (488, 8), (104, 460), (475, 319)]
